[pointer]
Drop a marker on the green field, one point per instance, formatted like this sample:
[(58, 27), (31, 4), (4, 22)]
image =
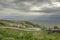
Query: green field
[(15, 34), (12, 34)]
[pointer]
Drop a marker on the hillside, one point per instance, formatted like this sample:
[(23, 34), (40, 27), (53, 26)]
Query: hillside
[(20, 30), (12, 34), (19, 24)]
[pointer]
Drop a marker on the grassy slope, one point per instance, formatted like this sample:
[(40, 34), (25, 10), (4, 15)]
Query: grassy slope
[(22, 24), (10, 34)]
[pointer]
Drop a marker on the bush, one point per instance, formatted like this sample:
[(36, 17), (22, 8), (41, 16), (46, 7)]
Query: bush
[(56, 27)]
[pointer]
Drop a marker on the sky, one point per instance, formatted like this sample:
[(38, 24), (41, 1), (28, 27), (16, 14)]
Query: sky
[(30, 9)]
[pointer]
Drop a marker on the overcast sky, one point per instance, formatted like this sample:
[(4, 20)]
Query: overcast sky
[(29, 7)]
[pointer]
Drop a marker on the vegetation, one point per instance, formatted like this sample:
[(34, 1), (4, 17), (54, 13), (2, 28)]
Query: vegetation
[(56, 27), (22, 24), (10, 34), (14, 34)]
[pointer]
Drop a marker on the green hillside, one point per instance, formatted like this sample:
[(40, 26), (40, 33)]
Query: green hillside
[(20, 24), (11, 34), (19, 30)]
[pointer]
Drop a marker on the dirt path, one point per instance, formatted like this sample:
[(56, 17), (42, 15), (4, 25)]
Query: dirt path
[(27, 29)]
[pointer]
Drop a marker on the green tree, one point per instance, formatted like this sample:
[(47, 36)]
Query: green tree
[(56, 27)]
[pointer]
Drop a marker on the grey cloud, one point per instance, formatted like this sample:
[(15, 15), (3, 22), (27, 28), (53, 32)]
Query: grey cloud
[(51, 10), (6, 3), (58, 0), (19, 5)]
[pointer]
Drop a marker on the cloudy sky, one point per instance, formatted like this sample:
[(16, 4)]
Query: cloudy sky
[(30, 9)]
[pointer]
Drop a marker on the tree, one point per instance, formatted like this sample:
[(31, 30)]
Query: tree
[(56, 27)]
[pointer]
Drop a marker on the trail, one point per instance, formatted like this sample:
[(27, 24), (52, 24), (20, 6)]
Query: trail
[(24, 29)]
